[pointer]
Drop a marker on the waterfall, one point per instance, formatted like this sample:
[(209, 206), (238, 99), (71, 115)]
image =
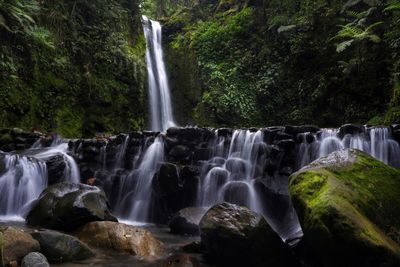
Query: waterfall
[(159, 92), (134, 194), (376, 141), (233, 173), (22, 179)]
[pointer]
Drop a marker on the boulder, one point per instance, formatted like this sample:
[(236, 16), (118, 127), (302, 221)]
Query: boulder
[(235, 236), (179, 153), (294, 130), (350, 129), (16, 244), (60, 247), (66, 206), (166, 180), (122, 238), (1, 248), (35, 259), (180, 260), (56, 167), (186, 221), (348, 206)]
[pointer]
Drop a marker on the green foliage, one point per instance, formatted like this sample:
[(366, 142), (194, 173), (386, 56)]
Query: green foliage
[(76, 67), (354, 33)]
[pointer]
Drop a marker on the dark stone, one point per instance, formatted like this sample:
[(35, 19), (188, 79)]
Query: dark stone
[(235, 236), (225, 132), (287, 144), (282, 136), (35, 259), (56, 167), (237, 193), (193, 247), (66, 206), (202, 154), (350, 129), (186, 221), (294, 130), (166, 180), (58, 247), (179, 153)]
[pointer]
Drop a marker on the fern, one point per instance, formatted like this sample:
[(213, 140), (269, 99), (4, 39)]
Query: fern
[(393, 7), (17, 14)]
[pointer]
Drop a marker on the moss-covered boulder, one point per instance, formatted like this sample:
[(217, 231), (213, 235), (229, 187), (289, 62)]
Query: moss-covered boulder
[(348, 205)]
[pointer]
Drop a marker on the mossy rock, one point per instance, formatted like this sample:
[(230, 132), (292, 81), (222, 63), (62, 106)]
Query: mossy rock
[(348, 205)]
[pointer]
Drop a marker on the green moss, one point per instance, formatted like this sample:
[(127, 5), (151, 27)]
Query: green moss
[(349, 206)]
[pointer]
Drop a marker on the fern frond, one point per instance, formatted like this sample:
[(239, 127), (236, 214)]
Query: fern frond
[(393, 7)]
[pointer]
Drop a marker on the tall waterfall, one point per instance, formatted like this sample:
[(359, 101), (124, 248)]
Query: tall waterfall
[(159, 93)]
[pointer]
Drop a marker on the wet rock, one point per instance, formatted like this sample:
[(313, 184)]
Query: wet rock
[(225, 132), (347, 203), (58, 247), (282, 136), (179, 153), (186, 221), (235, 236), (193, 247), (350, 129), (180, 261), (35, 259), (237, 193), (56, 167), (287, 144), (66, 206), (294, 130), (16, 244), (166, 180), (236, 165), (122, 238), (190, 177), (202, 154)]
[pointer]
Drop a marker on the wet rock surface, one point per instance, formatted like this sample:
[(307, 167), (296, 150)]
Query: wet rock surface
[(35, 259), (66, 206), (58, 247), (120, 237), (186, 221), (347, 205), (235, 236), (16, 244)]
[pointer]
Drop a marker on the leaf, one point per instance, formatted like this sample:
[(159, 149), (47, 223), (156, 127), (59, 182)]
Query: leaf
[(343, 45)]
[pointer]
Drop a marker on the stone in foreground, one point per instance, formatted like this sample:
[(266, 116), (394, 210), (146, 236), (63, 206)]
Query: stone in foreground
[(348, 205), (35, 259), (67, 206), (235, 236), (58, 247), (121, 237), (186, 221), (16, 244)]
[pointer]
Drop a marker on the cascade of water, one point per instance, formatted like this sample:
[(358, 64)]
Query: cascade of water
[(236, 166), (71, 172), (120, 155), (159, 93), (21, 181), (135, 189), (375, 141)]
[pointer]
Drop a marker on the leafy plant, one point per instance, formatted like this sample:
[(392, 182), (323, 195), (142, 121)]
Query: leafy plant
[(16, 15)]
